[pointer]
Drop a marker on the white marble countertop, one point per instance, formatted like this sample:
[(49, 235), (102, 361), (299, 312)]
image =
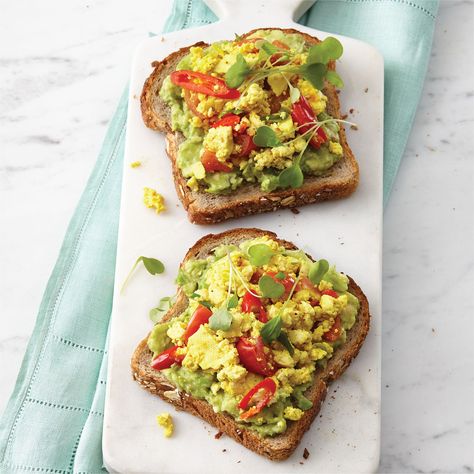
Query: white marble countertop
[(63, 68)]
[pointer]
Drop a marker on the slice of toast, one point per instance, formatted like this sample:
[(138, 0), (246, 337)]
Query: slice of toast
[(278, 447), (340, 181)]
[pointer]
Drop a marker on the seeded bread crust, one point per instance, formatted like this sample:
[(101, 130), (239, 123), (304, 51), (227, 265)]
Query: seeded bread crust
[(278, 447), (205, 208)]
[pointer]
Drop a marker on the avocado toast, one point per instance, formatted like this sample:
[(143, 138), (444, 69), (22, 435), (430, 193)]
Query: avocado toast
[(274, 139), (257, 332)]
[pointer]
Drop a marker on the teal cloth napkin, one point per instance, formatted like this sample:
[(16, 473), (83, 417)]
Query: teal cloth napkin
[(53, 421)]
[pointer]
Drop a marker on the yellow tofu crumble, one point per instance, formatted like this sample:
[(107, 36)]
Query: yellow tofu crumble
[(153, 200), (166, 421)]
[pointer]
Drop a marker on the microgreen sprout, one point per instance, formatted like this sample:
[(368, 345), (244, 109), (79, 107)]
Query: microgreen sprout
[(260, 254), (163, 306), (315, 69), (152, 265), (270, 288)]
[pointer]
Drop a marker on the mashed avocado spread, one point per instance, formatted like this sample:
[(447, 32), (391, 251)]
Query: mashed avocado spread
[(268, 113), (259, 318)]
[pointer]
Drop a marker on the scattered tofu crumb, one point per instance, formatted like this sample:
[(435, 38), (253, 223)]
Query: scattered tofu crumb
[(135, 164), (166, 421), (152, 199)]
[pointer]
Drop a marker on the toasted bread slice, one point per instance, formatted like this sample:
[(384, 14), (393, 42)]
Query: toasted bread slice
[(340, 181), (278, 447)]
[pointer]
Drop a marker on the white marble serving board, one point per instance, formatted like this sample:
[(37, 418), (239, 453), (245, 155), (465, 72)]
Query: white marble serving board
[(345, 437)]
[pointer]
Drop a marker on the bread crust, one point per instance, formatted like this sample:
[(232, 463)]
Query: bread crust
[(205, 208), (281, 446)]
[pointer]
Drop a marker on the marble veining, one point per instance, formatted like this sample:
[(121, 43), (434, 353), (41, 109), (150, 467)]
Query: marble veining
[(62, 70)]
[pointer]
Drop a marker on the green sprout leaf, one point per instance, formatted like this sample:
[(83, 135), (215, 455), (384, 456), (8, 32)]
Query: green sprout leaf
[(232, 302), (327, 50), (334, 78), (317, 271), (270, 288), (161, 309), (237, 73), (206, 304), (283, 339), (269, 48), (152, 265), (271, 330), (280, 275), (220, 319), (266, 137), (315, 74), (260, 254), (291, 177)]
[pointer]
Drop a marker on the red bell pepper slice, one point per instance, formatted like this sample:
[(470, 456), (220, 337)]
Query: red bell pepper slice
[(166, 359), (200, 316), (253, 304), (302, 113), (269, 387), (335, 332), (204, 84), (212, 164)]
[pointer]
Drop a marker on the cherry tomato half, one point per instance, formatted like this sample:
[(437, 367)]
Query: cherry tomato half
[(200, 316), (192, 101), (166, 359), (253, 304), (212, 164), (253, 357), (306, 284), (246, 143)]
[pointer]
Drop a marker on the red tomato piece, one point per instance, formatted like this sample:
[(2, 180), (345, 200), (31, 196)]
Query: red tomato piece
[(212, 164), (302, 113), (306, 284), (330, 293), (166, 359), (269, 388), (203, 83), (229, 120), (246, 142), (192, 101), (253, 357), (253, 304), (200, 316), (256, 276), (335, 332)]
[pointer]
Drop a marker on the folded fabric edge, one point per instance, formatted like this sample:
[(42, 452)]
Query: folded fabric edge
[(62, 268)]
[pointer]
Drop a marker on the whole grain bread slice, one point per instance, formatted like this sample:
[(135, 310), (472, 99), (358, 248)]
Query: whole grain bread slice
[(206, 208), (278, 447)]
